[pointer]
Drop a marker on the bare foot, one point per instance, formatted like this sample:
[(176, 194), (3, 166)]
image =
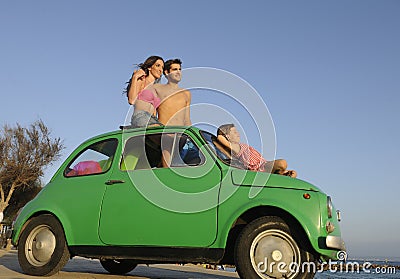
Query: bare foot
[(291, 173)]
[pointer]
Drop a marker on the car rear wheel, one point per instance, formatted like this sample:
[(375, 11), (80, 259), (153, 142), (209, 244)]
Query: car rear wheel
[(266, 248), (42, 249), (118, 267)]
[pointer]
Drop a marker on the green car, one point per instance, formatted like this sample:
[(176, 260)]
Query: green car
[(173, 195)]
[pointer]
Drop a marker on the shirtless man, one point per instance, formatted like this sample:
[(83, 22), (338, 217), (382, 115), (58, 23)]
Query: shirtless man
[(174, 109)]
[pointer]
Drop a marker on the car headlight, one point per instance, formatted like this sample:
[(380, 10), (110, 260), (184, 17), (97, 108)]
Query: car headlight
[(329, 206)]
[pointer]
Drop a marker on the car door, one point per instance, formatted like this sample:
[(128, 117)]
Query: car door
[(83, 185), (155, 205)]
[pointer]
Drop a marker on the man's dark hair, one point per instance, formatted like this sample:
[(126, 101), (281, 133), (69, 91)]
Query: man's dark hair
[(168, 63), (224, 129)]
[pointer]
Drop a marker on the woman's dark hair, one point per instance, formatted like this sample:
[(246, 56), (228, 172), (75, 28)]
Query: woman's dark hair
[(148, 63)]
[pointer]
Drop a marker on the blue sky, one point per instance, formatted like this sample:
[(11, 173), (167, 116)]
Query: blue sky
[(328, 71)]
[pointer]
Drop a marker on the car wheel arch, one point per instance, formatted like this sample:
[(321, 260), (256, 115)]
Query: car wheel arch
[(39, 213), (260, 211)]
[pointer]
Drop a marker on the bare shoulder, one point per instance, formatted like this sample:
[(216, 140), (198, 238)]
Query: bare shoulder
[(157, 86), (186, 95)]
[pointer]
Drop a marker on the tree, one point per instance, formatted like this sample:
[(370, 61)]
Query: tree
[(20, 197), (24, 154)]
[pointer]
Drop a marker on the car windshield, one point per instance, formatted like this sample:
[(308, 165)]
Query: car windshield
[(223, 154)]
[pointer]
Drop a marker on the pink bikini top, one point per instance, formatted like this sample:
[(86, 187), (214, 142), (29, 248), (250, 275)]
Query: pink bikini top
[(148, 96)]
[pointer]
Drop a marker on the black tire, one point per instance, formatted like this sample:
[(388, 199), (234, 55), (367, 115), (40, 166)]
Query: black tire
[(42, 249), (118, 267), (267, 242)]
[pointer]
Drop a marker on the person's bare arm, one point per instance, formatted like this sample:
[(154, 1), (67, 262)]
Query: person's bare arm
[(235, 147), (136, 85), (223, 148), (188, 122)]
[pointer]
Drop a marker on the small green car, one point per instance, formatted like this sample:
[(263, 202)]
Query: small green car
[(173, 195)]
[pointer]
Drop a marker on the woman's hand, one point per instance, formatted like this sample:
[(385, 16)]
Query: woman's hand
[(139, 75), (137, 84)]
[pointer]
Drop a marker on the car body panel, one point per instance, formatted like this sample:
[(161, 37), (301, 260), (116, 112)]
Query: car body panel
[(160, 224)]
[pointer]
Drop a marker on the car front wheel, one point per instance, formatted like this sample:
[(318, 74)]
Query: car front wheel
[(42, 249), (266, 248), (118, 267)]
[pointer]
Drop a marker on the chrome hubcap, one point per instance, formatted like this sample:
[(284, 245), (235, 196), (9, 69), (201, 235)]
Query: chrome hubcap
[(40, 246), (274, 254)]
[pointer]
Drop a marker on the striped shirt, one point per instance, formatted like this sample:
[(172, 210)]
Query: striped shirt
[(251, 158)]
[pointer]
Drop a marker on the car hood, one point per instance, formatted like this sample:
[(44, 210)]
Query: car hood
[(263, 179)]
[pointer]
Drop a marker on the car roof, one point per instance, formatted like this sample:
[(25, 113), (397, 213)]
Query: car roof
[(129, 129)]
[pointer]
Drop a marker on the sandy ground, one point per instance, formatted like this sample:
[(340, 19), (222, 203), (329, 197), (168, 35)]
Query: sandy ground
[(84, 269)]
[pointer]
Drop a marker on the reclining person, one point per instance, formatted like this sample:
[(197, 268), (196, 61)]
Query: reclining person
[(229, 137)]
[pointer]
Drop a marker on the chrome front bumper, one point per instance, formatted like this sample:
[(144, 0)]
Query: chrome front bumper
[(335, 242)]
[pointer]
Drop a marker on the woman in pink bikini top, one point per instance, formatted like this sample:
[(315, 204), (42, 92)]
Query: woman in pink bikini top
[(145, 99), (148, 96)]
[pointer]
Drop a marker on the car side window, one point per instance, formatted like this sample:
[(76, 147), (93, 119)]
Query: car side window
[(95, 159), (135, 153), (185, 152), (148, 151)]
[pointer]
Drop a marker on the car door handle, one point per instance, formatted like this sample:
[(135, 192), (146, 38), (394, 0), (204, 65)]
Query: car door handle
[(111, 182)]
